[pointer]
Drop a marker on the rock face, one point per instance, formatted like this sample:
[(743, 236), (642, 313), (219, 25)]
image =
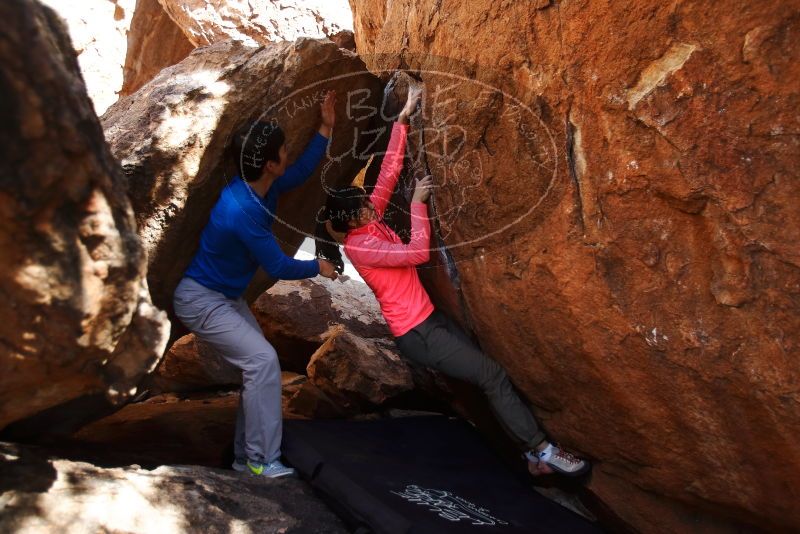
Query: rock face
[(165, 429), (171, 137), (206, 22), (618, 187), (76, 313), (155, 42), (98, 32), (306, 309), (358, 372), (192, 428), (52, 495), (190, 364), (334, 332)]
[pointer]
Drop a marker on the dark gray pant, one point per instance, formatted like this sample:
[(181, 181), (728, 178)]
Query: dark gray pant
[(229, 326), (440, 344)]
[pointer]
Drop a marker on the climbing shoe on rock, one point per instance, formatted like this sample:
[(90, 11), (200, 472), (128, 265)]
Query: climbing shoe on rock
[(553, 459), (272, 469)]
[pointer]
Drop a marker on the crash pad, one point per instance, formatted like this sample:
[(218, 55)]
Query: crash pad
[(419, 475)]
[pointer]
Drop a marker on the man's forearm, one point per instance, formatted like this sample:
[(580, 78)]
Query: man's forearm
[(325, 131)]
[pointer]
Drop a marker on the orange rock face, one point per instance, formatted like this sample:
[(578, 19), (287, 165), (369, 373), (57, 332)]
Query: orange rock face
[(210, 21), (154, 43), (618, 186)]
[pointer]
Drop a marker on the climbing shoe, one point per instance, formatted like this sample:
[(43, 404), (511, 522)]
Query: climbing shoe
[(555, 460), (272, 469)]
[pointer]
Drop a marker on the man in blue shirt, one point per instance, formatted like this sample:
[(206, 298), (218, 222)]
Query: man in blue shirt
[(237, 240)]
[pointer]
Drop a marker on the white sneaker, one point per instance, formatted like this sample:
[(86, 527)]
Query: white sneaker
[(554, 459), (272, 470)]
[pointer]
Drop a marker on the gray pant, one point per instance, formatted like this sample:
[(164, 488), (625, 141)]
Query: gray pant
[(439, 343), (228, 325)]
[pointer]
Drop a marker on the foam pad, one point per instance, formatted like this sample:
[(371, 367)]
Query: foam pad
[(419, 475)]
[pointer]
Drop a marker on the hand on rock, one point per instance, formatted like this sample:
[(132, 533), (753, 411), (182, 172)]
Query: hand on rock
[(328, 112), (412, 100), (327, 269), (422, 190)]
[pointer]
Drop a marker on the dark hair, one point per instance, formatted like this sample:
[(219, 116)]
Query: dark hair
[(324, 245), (341, 207), (255, 145)]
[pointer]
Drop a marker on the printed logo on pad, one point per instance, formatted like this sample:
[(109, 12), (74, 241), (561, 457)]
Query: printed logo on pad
[(449, 506)]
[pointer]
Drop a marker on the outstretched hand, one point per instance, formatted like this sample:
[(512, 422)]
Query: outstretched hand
[(413, 98), (328, 111)]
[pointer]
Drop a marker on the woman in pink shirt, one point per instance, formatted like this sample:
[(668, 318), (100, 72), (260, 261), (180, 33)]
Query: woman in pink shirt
[(422, 334)]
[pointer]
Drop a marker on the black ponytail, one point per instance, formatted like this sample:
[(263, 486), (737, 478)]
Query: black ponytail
[(325, 245)]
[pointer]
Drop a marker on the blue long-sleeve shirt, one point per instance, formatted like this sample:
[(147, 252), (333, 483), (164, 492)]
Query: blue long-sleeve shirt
[(238, 236)]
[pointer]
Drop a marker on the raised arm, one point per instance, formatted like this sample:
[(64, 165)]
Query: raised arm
[(299, 171), (395, 152), (390, 168)]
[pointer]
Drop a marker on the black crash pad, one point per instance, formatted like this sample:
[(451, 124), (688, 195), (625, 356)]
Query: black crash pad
[(419, 475)]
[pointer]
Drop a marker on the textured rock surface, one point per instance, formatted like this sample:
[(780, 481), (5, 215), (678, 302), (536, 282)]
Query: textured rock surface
[(626, 231), (190, 364), (53, 495), (165, 429), (171, 134), (196, 428), (359, 372), (209, 21), (305, 309), (154, 43), (76, 313), (344, 39), (334, 332), (98, 32), (304, 400)]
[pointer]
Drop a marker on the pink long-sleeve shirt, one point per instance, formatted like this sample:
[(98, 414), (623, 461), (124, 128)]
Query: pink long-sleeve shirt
[(386, 264)]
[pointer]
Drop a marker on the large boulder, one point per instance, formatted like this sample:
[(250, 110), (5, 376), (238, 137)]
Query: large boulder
[(617, 185), (359, 373), (171, 137), (51, 495), (209, 21), (76, 313), (335, 333), (297, 316), (190, 364), (155, 42)]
